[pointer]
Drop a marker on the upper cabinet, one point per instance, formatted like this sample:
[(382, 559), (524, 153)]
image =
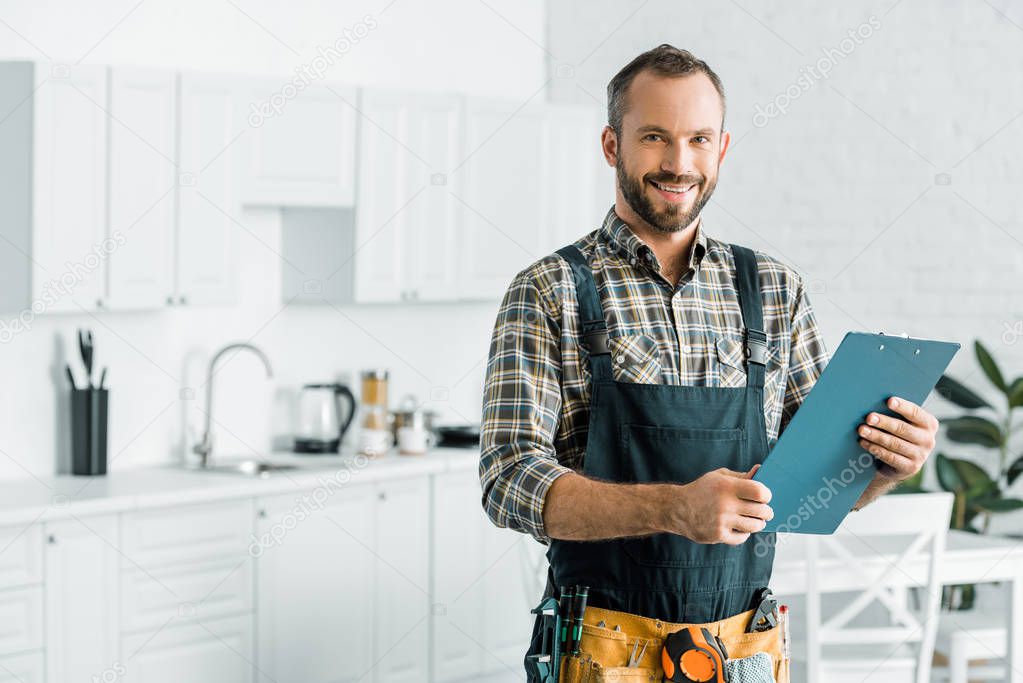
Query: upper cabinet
[(143, 180), (53, 185), (300, 144), (212, 128), (122, 188), (93, 172), (503, 185), (407, 213)]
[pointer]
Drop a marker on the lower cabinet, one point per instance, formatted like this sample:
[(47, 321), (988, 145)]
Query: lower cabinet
[(314, 574), (25, 668), (217, 650), (81, 589), (399, 581), (485, 582)]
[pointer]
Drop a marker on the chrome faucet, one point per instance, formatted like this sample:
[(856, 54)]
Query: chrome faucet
[(204, 449)]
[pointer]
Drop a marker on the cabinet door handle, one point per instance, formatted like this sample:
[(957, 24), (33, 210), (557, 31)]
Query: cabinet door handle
[(170, 300), (182, 300), (51, 539), (382, 495), (99, 303), (262, 514)]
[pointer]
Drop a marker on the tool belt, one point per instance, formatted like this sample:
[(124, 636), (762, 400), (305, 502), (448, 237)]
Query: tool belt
[(611, 640)]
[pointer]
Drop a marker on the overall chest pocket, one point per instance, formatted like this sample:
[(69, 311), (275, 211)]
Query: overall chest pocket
[(680, 455)]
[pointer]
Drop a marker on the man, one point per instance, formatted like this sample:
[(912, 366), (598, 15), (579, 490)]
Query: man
[(638, 377)]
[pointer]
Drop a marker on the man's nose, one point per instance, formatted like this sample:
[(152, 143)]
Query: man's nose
[(678, 160)]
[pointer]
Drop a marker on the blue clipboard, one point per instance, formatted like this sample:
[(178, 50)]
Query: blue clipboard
[(817, 470)]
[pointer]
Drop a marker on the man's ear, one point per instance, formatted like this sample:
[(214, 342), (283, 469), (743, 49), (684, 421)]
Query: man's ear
[(609, 145), (726, 141)]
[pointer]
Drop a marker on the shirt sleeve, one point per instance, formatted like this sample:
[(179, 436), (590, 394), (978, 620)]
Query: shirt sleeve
[(808, 356), (521, 410)]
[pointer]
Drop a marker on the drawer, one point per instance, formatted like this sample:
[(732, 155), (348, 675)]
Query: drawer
[(154, 539), (23, 668), (199, 591), (218, 650), (21, 562), (21, 619)]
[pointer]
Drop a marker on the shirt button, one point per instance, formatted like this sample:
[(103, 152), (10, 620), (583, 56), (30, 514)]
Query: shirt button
[(687, 348), (621, 358)]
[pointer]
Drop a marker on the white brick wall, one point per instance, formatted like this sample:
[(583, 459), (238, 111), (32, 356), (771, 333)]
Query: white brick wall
[(845, 185)]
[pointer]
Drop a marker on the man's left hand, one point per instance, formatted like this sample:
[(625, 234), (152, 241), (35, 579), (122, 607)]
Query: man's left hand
[(901, 445)]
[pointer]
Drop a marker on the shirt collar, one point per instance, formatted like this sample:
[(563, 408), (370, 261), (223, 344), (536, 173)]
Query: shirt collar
[(629, 246)]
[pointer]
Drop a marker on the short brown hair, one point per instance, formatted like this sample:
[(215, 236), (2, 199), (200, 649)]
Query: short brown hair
[(663, 60)]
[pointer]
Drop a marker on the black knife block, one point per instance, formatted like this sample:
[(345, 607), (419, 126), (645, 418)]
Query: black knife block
[(89, 431)]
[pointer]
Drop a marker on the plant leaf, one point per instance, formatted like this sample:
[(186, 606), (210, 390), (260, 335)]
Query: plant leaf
[(956, 392), (974, 429), (987, 363), (973, 477), (1015, 469), (1015, 392), (948, 476), (999, 504)]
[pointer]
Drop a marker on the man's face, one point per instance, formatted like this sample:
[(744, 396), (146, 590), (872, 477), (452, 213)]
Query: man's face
[(670, 148)]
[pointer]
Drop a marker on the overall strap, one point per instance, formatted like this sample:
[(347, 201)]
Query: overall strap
[(594, 329), (755, 339)]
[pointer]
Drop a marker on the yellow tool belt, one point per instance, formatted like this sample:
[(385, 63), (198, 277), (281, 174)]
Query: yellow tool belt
[(605, 651)]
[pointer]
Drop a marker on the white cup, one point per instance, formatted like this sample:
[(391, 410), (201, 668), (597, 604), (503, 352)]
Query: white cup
[(414, 441)]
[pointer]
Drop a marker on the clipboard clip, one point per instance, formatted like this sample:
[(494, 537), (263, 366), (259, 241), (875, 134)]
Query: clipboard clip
[(755, 346)]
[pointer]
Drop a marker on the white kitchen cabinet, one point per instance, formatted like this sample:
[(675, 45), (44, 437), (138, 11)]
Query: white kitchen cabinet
[(143, 180), (197, 650), (23, 668), (578, 183), (211, 132), (82, 584), (402, 605), (21, 562), (458, 596), (53, 187), (535, 180), (343, 591), (301, 144), (21, 613), (502, 189), (486, 579), (315, 587), (407, 217)]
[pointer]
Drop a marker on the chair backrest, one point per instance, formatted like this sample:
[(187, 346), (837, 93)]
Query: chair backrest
[(878, 553)]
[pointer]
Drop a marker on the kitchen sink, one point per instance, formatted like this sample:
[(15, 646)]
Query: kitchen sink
[(252, 468)]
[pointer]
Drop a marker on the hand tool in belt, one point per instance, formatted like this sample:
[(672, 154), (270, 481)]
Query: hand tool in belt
[(694, 655), (543, 667)]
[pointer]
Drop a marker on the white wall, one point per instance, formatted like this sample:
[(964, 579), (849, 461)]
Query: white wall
[(848, 185), (437, 351)]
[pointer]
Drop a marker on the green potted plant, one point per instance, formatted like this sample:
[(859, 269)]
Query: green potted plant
[(979, 494)]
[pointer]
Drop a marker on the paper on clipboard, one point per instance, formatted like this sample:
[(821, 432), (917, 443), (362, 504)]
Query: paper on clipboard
[(817, 470)]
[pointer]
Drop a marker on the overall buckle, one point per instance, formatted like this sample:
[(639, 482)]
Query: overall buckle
[(756, 346), (596, 341)]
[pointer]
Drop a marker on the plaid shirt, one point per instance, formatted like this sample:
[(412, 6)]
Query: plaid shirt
[(536, 402)]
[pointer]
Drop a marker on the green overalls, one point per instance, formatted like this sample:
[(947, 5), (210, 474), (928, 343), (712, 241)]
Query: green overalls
[(669, 433)]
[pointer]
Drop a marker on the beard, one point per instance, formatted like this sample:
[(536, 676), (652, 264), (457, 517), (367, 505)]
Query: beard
[(674, 217)]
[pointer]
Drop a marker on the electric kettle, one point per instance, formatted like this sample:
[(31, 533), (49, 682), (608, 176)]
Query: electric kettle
[(320, 423)]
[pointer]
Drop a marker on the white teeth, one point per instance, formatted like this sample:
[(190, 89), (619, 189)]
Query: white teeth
[(677, 189)]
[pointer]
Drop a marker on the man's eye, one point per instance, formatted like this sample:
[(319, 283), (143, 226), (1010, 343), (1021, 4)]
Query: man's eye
[(701, 139), (652, 136)]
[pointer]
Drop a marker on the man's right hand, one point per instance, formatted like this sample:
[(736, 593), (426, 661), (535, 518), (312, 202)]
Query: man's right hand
[(722, 506)]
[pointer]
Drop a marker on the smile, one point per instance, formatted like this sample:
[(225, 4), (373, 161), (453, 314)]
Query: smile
[(673, 193)]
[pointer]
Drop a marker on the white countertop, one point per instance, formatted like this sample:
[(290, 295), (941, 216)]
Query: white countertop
[(66, 496)]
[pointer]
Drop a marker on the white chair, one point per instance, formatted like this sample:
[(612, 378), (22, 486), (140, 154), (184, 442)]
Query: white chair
[(970, 641), (867, 565)]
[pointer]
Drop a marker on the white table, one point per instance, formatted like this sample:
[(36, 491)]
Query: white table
[(968, 558)]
